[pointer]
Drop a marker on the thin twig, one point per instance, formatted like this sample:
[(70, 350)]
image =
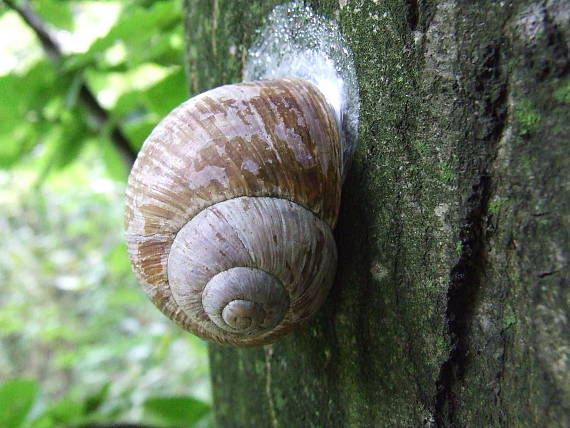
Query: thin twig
[(86, 97)]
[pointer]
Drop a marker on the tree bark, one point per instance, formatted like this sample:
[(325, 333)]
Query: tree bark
[(451, 301)]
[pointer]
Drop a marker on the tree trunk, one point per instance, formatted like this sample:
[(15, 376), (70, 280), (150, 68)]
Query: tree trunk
[(451, 301)]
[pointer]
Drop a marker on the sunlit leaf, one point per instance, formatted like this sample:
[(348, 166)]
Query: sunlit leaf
[(54, 12), (73, 138), (115, 166), (138, 28), (16, 397), (167, 93), (65, 412), (176, 411), (11, 144), (129, 103), (137, 132), (25, 109), (24, 94), (118, 259), (64, 143), (161, 47)]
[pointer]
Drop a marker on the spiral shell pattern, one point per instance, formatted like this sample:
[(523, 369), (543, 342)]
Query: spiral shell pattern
[(230, 209)]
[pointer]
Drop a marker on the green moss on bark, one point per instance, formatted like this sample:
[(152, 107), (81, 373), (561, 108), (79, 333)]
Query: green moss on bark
[(451, 297)]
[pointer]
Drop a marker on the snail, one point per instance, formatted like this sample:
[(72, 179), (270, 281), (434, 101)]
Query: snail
[(230, 208)]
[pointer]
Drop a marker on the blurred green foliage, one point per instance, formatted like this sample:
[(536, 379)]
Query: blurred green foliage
[(134, 69), (79, 341), (19, 409)]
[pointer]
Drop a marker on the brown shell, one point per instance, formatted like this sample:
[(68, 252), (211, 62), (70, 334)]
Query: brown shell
[(261, 140)]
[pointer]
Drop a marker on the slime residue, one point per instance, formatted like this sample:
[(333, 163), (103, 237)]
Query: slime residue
[(296, 42)]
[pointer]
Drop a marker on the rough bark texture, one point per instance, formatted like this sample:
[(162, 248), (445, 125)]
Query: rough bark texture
[(451, 301)]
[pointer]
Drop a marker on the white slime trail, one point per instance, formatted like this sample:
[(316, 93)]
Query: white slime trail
[(295, 42)]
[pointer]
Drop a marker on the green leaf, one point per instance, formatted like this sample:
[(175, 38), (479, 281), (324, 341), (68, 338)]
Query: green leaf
[(139, 29), (64, 142), (137, 131), (168, 93), (127, 103), (64, 413), (72, 94), (11, 144), (93, 402), (73, 138), (164, 49), (23, 94), (16, 397), (118, 259), (177, 411), (54, 12), (114, 164), (29, 103)]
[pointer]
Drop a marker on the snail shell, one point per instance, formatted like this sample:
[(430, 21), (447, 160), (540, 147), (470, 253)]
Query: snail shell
[(230, 208)]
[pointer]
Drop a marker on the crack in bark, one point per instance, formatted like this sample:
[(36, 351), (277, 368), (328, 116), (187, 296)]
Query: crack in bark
[(412, 14), (557, 62), (549, 273), (490, 93), (461, 298)]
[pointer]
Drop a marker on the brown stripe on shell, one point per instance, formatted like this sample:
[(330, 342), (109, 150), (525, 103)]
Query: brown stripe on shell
[(271, 138)]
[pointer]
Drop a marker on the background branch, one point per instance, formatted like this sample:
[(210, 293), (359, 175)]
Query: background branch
[(86, 96)]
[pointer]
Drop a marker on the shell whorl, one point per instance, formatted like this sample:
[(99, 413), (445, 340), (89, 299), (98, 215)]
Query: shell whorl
[(245, 300), (230, 209)]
